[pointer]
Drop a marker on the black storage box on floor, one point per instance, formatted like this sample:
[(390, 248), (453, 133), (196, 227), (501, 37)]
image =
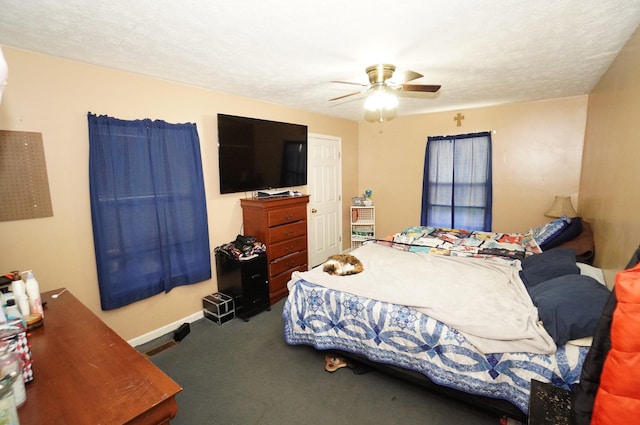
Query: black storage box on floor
[(218, 307), (548, 404), (246, 281)]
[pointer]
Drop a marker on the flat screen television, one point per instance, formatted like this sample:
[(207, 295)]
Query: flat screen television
[(256, 154)]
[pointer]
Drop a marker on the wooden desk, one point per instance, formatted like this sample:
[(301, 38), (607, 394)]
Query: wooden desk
[(84, 373)]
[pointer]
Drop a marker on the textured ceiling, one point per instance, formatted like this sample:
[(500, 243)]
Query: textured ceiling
[(482, 52)]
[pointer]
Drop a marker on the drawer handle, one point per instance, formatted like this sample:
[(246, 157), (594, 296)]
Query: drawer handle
[(288, 217)]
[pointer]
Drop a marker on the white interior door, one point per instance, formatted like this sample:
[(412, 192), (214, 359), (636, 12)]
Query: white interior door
[(324, 185)]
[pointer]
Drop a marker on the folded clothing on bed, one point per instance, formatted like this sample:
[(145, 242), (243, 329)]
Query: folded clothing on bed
[(565, 232), (583, 244), (466, 243)]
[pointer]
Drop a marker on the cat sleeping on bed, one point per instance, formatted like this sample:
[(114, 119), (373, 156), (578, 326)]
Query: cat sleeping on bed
[(342, 265)]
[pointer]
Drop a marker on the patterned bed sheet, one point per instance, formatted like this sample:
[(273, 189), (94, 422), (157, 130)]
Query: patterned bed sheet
[(468, 243), (387, 333)]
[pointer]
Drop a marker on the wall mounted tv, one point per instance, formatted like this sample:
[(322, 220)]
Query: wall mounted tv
[(256, 154)]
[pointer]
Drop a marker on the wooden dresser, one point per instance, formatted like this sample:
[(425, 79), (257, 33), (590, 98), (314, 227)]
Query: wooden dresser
[(85, 374), (281, 224)]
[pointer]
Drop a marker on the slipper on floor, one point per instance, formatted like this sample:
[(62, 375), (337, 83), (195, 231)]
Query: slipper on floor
[(333, 363)]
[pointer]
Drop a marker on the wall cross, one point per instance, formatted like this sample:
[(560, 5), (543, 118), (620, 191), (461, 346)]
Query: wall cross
[(459, 117)]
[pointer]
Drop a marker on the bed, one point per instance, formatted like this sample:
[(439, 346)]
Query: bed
[(455, 310)]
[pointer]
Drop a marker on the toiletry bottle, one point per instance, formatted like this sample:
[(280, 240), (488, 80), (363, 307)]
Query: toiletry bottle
[(20, 294), (3, 317), (6, 296), (12, 311), (33, 292), (11, 365), (8, 408)]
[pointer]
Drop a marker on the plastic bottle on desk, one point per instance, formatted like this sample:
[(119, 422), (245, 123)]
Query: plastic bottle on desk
[(8, 410), (33, 292), (3, 305), (5, 300), (20, 294), (13, 312), (4, 291), (11, 370)]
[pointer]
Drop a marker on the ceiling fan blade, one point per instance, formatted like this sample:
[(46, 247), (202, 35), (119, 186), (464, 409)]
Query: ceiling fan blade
[(420, 87), (345, 95), (401, 77), (351, 82)]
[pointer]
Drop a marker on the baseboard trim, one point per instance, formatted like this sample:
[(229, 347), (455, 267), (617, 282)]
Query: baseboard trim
[(143, 339)]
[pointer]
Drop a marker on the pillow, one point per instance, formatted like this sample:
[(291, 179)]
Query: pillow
[(581, 342), (547, 265), (570, 306), (594, 272), (548, 231), (571, 231)]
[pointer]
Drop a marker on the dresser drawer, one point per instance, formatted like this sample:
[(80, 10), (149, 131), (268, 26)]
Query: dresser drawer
[(281, 224), (278, 284), (285, 215), (287, 231), (283, 264), (287, 247)]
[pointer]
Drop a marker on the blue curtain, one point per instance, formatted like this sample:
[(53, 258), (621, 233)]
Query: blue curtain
[(456, 186), (147, 208)]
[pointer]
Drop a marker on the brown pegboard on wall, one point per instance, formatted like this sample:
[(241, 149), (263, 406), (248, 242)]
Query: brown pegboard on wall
[(24, 186)]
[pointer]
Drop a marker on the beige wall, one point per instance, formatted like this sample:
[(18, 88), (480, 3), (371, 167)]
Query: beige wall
[(609, 192), (537, 149), (52, 96)]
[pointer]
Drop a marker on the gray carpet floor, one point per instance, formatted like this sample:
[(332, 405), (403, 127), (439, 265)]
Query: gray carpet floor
[(243, 373)]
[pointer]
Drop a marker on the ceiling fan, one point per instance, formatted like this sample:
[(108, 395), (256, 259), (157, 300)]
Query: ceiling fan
[(384, 84)]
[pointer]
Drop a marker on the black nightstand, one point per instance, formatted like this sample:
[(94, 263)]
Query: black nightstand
[(246, 281)]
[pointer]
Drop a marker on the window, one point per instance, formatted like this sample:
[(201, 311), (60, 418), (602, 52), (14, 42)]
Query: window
[(147, 207), (456, 187)]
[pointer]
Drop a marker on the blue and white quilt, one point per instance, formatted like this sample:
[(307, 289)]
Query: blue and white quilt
[(465, 322), (393, 334)]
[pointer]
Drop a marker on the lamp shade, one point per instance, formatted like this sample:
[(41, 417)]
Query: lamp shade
[(561, 206)]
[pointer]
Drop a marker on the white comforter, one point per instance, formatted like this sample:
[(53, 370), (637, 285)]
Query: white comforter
[(484, 299)]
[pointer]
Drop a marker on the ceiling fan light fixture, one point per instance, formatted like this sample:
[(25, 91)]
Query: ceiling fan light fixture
[(381, 115), (380, 100)]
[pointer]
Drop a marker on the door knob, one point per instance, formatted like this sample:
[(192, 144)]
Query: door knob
[(313, 210)]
